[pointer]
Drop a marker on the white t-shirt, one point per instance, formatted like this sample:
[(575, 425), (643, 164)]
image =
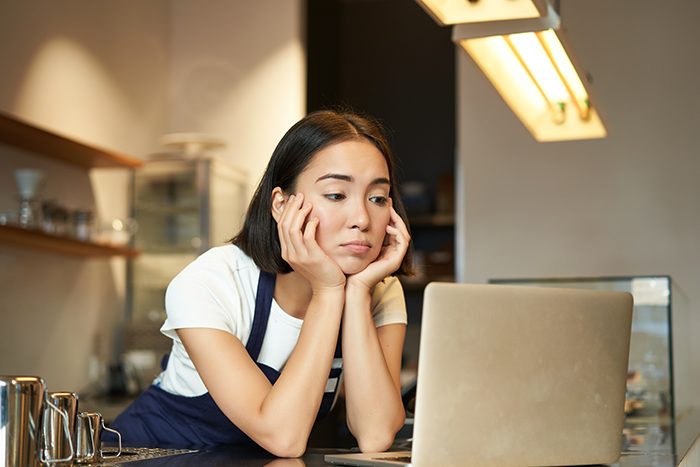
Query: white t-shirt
[(218, 291)]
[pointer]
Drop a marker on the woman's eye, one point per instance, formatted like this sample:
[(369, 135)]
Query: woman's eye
[(335, 196), (380, 200)]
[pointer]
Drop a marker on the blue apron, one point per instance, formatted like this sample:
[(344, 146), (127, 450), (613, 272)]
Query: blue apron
[(159, 418)]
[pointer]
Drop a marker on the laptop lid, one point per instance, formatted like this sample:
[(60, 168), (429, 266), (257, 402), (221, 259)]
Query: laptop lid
[(520, 376), (515, 376)]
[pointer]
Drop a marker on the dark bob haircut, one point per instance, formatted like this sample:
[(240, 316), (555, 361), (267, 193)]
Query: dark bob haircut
[(258, 237)]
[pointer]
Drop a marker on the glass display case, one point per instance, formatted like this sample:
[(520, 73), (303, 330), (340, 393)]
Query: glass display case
[(650, 378), (182, 207)]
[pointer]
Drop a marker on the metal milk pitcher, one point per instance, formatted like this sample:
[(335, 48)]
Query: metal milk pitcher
[(22, 403), (88, 428), (59, 442)]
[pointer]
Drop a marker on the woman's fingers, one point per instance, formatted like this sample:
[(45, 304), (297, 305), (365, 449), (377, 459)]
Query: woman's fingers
[(299, 248), (282, 229), (397, 234), (297, 220), (290, 227), (398, 223), (310, 231), (298, 233)]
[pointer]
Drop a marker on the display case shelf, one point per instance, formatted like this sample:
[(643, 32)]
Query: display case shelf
[(413, 284), (433, 220), (37, 239), (23, 135), (164, 208), (183, 206)]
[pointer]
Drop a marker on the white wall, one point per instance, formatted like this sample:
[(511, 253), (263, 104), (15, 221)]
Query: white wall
[(94, 71), (239, 73), (621, 206), (119, 74)]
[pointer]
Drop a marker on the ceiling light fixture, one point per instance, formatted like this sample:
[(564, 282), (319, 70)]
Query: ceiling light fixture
[(529, 63), (446, 12)]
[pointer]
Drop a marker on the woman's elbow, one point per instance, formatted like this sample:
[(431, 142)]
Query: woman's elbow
[(378, 443), (287, 449), (379, 440), (293, 445)]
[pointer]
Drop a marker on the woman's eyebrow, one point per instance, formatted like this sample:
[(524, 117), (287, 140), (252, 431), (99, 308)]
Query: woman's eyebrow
[(348, 178), (380, 181), (336, 176)]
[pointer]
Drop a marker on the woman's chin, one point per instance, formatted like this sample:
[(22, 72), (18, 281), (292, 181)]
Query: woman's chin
[(353, 267)]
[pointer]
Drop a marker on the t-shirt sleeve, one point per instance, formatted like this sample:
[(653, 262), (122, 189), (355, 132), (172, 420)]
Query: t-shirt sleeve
[(388, 303), (203, 295)]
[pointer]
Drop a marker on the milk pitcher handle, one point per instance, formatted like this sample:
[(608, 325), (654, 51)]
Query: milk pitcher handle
[(64, 415), (119, 436)]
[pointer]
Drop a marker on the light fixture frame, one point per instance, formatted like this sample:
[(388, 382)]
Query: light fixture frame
[(465, 31), (440, 17)]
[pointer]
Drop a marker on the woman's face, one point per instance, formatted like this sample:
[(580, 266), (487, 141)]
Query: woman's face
[(348, 186)]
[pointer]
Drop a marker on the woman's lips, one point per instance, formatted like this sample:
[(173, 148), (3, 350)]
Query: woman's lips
[(357, 247)]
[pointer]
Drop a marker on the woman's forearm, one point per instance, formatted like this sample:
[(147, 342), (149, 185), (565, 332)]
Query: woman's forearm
[(372, 366), (278, 417), (295, 398)]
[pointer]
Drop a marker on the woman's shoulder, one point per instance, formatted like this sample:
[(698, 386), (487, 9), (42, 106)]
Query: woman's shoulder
[(387, 296), (388, 303), (215, 290), (390, 285), (229, 254), (222, 258), (223, 265)]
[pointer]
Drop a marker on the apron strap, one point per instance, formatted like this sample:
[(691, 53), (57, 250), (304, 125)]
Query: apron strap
[(330, 395), (263, 303)]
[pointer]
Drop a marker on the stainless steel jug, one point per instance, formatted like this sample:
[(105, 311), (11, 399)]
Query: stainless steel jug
[(88, 428), (59, 443), (22, 403)]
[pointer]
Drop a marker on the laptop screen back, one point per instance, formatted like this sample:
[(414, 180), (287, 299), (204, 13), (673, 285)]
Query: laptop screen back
[(520, 376)]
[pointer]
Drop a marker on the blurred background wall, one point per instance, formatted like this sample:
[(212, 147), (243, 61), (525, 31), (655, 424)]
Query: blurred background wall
[(118, 75), (620, 206)]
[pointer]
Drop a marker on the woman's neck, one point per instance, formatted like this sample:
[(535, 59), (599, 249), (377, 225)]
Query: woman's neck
[(293, 294)]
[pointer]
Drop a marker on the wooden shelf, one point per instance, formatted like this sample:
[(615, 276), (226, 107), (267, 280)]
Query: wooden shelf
[(18, 133), (412, 284), (61, 245), (433, 220)]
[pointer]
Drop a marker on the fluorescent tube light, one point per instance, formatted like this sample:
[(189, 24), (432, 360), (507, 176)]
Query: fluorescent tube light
[(529, 65)]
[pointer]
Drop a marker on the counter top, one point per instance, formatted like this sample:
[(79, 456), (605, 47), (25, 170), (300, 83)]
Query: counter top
[(645, 444)]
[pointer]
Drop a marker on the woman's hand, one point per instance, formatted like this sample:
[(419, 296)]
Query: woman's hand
[(390, 257), (299, 247)]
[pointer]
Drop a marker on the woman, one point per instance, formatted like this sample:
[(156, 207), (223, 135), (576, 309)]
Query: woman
[(302, 293)]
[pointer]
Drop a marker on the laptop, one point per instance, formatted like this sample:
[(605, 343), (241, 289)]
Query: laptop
[(515, 376)]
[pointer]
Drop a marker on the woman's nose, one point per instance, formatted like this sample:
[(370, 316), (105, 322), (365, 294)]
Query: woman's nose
[(359, 218)]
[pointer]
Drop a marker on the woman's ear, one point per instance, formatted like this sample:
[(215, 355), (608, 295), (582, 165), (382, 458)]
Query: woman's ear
[(277, 202)]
